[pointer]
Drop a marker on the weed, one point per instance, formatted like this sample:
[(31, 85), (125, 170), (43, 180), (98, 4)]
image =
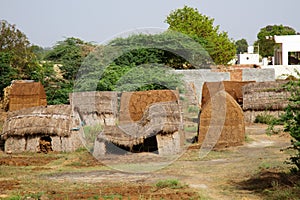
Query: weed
[(113, 197), (169, 183), (193, 109), (267, 119)]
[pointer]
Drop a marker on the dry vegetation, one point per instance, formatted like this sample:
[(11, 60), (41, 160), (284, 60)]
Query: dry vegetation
[(255, 170)]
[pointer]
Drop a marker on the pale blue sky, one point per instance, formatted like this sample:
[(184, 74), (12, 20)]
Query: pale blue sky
[(47, 21)]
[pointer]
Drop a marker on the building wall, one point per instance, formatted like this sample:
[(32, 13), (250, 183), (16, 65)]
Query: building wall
[(200, 76), (281, 71), (258, 75)]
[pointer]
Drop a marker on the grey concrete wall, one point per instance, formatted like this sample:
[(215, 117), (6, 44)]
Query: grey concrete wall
[(258, 75), (199, 76)]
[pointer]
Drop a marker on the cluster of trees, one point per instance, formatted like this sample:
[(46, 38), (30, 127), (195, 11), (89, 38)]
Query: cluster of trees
[(191, 41)]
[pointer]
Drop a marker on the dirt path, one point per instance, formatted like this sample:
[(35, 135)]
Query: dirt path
[(220, 175)]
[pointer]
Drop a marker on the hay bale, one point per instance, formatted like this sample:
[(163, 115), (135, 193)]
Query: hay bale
[(221, 122)]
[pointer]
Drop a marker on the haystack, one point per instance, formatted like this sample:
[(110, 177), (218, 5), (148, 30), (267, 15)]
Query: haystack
[(234, 88), (26, 94), (221, 122), (23, 129)]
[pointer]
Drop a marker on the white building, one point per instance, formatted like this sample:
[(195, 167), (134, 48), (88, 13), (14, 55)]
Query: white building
[(287, 44), (249, 58)]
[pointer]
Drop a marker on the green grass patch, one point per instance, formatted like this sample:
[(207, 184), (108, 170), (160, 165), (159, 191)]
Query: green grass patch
[(169, 183)]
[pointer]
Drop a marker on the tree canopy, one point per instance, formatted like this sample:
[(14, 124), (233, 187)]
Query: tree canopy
[(201, 28), (267, 45), (241, 46)]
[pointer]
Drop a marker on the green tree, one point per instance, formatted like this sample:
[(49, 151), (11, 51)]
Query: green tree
[(266, 43), (201, 28), (70, 53), (241, 46), (16, 44), (291, 119), (7, 73)]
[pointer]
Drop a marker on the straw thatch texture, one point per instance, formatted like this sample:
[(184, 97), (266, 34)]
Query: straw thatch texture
[(159, 118), (50, 120), (221, 122), (24, 94), (134, 104), (95, 102), (234, 88), (265, 96), (95, 107)]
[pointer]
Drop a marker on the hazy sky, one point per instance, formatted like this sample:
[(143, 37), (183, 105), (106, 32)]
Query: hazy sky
[(47, 21)]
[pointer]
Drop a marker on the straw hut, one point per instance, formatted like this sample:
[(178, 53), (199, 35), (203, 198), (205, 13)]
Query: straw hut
[(95, 107), (41, 129), (159, 130), (26, 94), (264, 98)]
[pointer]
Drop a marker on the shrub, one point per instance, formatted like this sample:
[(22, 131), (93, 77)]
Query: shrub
[(291, 119)]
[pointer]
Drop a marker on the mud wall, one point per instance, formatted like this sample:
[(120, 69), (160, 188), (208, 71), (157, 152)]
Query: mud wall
[(134, 104), (31, 144)]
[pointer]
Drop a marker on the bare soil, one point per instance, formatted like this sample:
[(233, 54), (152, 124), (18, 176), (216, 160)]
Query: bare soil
[(244, 172)]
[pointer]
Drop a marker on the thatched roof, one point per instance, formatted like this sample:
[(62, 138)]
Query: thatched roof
[(162, 118), (265, 96), (49, 120), (95, 102)]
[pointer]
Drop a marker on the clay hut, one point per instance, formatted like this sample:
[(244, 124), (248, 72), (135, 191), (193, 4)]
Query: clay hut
[(41, 129), (264, 98), (149, 121), (221, 122), (26, 94)]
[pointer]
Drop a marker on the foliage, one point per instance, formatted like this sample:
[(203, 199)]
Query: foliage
[(267, 45), (7, 73), (16, 44), (70, 53), (173, 49), (139, 62), (201, 28), (169, 183), (291, 119), (267, 119), (149, 77), (241, 46)]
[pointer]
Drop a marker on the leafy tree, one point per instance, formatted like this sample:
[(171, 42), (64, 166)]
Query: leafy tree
[(7, 73), (16, 44), (266, 44), (291, 119), (201, 28), (241, 46), (70, 53)]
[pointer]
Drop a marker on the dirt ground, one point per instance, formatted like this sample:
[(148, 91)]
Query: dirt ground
[(236, 173)]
